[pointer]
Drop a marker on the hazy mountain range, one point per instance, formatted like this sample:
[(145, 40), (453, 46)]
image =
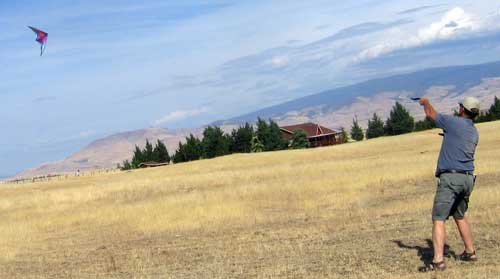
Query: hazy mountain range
[(333, 108)]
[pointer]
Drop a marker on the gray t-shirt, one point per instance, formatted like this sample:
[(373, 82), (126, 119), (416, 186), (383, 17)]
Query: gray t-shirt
[(459, 143)]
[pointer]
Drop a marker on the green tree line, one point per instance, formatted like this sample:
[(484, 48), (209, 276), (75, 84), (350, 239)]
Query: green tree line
[(266, 136), (401, 122)]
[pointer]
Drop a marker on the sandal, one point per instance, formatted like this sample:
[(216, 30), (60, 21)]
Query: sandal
[(468, 257), (433, 266)]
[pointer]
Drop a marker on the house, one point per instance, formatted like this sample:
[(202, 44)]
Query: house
[(316, 134)]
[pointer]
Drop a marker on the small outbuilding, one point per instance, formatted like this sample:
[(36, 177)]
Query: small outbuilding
[(316, 134), (151, 164)]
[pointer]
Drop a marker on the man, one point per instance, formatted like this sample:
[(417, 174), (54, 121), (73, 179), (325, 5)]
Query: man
[(455, 176)]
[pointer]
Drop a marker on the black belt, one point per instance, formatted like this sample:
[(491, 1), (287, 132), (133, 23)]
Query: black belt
[(456, 171)]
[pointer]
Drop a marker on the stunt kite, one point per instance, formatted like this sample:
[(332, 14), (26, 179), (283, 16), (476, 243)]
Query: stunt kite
[(41, 37)]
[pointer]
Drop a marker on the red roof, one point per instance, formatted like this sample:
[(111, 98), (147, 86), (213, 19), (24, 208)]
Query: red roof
[(311, 129)]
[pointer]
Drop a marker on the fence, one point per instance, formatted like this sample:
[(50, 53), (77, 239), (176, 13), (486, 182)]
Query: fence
[(53, 177)]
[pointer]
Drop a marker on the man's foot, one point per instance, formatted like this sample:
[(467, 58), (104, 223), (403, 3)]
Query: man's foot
[(433, 266), (468, 257)]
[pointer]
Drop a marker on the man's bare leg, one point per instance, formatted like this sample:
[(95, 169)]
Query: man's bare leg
[(466, 234), (438, 238)]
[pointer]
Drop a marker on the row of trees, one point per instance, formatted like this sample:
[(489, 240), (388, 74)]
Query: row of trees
[(400, 122), (245, 139)]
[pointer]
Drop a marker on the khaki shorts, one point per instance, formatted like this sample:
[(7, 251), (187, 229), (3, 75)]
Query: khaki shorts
[(452, 196)]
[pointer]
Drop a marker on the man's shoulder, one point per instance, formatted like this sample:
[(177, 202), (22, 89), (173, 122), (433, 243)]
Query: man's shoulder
[(443, 120), (446, 117), (452, 119)]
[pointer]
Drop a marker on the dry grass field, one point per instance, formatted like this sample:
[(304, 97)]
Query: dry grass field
[(359, 210)]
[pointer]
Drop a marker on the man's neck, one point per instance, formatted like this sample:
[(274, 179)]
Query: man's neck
[(463, 115)]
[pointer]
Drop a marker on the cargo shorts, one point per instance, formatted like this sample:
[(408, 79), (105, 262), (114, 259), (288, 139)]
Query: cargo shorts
[(452, 196)]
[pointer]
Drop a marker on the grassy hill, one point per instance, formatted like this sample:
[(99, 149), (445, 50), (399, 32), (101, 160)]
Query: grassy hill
[(359, 210)]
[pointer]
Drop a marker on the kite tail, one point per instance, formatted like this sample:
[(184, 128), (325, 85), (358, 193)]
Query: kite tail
[(42, 48)]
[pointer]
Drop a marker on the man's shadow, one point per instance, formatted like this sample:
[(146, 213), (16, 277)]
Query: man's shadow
[(426, 253)]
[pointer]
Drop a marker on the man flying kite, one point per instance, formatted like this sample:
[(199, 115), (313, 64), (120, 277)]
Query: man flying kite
[(455, 173), (41, 37)]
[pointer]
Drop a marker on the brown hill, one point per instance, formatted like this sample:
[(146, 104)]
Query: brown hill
[(108, 152), (445, 99)]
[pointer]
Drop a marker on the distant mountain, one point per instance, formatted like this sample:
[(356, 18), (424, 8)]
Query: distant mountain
[(333, 108), (109, 151), (458, 79)]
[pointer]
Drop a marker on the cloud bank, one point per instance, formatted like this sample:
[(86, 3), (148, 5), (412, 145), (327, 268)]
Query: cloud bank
[(455, 23), (179, 115)]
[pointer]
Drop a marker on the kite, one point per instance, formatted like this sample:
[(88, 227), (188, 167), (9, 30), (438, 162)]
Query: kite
[(41, 37)]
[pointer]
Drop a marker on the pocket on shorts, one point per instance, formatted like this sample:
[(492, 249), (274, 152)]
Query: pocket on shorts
[(444, 195), (443, 199), (458, 180)]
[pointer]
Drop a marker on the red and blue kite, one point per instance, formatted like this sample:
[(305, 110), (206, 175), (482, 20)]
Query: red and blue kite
[(41, 37)]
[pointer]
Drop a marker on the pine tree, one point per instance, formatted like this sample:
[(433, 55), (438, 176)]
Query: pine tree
[(229, 143), (137, 158), (270, 135), (375, 127), (494, 111), (299, 139), (356, 131), (160, 153), (344, 137), (275, 140), (148, 152), (214, 142), (180, 154), (425, 124), (399, 122), (192, 148), (262, 132), (241, 139), (126, 165), (257, 145)]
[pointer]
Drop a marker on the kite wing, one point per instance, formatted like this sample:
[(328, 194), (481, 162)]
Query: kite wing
[(41, 37)]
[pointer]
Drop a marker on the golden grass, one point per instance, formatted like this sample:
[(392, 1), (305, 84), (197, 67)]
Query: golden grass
[(359, 210)]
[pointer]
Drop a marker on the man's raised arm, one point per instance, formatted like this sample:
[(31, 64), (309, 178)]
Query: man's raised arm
[(428, 108)]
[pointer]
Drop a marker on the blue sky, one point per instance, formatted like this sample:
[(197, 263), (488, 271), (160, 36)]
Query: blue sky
[(112, 66)]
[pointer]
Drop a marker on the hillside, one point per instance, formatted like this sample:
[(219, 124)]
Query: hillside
[(109, 151), (335, 108), (446, 85), (359, 210)]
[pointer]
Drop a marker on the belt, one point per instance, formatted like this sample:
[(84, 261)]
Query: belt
[(456, 171)]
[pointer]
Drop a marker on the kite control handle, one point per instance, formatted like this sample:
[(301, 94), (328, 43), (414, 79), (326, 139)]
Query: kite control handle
[(409, 98)]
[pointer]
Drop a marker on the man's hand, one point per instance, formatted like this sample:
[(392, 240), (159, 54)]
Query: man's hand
[(423, 101), (429, 110)]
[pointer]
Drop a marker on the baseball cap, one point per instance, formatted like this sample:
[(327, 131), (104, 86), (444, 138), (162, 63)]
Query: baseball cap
[(471, 104)]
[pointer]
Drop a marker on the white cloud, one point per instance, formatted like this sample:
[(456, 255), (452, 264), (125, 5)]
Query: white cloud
[(180, 114), (86, 134), (454, 23), (280, 61), (451, 23)]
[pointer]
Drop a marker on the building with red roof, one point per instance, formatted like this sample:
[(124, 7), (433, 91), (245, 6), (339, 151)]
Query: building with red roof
[(316, 134)]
